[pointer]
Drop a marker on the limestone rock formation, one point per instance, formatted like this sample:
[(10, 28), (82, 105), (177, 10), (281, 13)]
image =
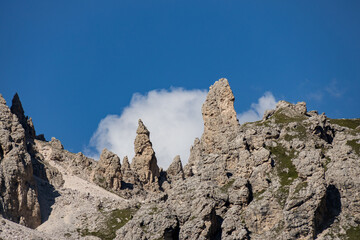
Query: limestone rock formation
[(126, 165), (175, 170), (130, 178), (108, 171), (220, 122), (144, 163), (18, 190), (277, 178), (216, 153), (55, 143), (292, 175)]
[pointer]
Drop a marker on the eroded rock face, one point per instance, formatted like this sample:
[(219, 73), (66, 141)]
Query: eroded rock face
[(216, 153), (219, 117), (293, 175), (18, 191), (280, 178), (108, 171), (144, 163), (175, 170)]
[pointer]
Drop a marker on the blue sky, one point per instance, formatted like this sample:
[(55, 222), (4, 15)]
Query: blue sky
[(75, 62)]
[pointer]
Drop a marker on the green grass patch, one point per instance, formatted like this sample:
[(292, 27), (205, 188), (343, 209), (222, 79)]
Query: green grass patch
[(279, 227), (144, 228), (300, 186), (300, 133), (354, 145), (101, 180), (289, 137), (349, 123), (353, 233), (282, 118), (154, 210), (327, 161), (284, 166), (115, 220), (262, 124), (226, 187), (258, 195), (285, 170)]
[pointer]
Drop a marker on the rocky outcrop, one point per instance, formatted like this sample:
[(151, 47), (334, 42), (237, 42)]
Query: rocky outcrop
[(278, 178), (18, 190), (144, 163), (108, 171), (175, 170), (220, 122), (126, 165), (216, 153), (55, 143), (26, 122), (287, 109), (292, 175)]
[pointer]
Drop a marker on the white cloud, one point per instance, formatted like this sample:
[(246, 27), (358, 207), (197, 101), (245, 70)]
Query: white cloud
[(173, 118), (256, 111)]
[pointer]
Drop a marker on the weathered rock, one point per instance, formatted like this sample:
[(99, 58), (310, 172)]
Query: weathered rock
[(287, 110), (18, 191), (293, 175), (126, 165), (108, 171), (175, 170), (144, 163), (26, 123), (42, 169), (55, 143), (219, 117), (215, 155)]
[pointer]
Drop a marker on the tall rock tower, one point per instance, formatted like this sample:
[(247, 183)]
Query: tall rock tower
[(144, 163)]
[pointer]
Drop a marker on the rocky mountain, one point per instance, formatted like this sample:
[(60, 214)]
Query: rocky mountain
[(292, 175)]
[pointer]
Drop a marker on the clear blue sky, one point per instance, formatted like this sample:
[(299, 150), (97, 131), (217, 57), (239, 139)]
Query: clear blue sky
[(74, 62)]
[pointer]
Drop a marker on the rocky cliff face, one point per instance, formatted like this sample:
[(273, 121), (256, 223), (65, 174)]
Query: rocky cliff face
[(274, 178), (292, 175), (18, 190)]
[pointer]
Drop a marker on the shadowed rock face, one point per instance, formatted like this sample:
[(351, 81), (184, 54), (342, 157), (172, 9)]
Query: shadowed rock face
[(18, 191), (144, 163), (27, 124)]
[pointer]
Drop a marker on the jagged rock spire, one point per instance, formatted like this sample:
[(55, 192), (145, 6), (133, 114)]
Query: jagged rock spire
[(218, 114), (126, 165), (144, 163), (175, 169), (17, 109)]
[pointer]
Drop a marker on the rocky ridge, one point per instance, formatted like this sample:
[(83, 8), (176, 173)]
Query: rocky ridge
[(292, 175)]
